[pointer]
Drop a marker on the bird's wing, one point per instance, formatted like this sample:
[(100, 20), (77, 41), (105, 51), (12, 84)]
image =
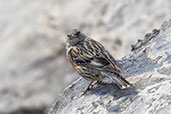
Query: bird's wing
[(103, 54), (113, 62), (93, 55)]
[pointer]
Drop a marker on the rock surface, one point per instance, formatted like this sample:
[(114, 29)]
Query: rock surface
[(33, 66), (148, 68)]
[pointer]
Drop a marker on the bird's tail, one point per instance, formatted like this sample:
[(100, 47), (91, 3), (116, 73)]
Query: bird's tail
[(120, 81)]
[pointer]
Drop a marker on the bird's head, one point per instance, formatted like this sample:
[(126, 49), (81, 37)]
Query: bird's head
[(75, 36)]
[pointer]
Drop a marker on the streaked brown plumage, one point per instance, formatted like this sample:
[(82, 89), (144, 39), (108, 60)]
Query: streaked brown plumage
[(92, 61)]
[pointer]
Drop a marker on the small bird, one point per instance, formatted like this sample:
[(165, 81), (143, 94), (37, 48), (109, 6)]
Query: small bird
[(92, 61)]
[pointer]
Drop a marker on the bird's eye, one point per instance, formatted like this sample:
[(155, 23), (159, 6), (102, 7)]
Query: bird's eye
[(68, 35)]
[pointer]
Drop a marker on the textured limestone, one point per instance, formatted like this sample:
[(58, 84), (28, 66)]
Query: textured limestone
[(148, 68)]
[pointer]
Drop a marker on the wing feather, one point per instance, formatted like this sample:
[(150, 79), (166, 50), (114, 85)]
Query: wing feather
[(92, 54)]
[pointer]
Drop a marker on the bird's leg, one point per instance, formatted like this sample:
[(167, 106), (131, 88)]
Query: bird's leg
[(97, 82), (88, 88)]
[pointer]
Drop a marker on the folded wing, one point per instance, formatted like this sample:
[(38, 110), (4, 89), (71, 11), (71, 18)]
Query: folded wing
[(94, 56)]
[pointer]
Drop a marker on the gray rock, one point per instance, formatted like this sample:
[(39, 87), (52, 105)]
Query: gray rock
[(147, 68), (33, 66)]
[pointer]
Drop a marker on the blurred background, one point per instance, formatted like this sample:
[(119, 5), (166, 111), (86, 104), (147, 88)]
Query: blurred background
[(33, 66)]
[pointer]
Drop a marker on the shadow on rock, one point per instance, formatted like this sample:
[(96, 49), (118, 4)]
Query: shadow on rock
[(113, 90)]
